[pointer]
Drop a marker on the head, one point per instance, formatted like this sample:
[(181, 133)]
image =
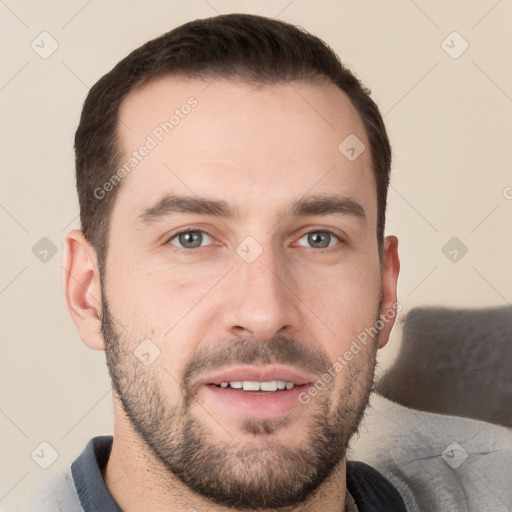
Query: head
[(228, 236)]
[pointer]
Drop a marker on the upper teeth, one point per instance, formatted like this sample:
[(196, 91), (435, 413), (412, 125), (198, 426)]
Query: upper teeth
[(249, 385)]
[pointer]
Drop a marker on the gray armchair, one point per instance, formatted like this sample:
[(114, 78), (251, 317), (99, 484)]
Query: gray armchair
[(456, 362)]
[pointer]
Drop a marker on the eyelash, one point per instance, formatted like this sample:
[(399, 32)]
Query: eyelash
[(195, 249)]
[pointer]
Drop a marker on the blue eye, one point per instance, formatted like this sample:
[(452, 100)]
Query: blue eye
[(191, 239), (319, 239)]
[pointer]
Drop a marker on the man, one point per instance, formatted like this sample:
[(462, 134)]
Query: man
[(232, 177)]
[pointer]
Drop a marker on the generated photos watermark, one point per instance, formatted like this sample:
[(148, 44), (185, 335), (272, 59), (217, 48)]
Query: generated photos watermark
[(156, 136), (344, 359)]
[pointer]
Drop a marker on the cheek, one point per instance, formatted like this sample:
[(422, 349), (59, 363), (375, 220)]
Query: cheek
[(344, 297), (156, 299)]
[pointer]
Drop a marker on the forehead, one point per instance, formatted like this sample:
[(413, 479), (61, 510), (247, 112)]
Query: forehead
[(256, 146)]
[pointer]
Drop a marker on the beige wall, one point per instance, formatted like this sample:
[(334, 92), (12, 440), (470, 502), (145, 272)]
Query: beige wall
[(450, 124)]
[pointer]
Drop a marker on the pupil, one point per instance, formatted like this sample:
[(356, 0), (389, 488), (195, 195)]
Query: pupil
[(191, 240), (319, 239)]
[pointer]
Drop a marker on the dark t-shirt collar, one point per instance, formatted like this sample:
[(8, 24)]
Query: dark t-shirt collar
[(88, 479)]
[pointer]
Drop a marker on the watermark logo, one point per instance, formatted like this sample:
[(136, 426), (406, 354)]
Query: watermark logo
[(454, 45), (249, 249), (454, 249), (352, 147), (44, 455), (147, 352), (44, 45), (44, 250), (454, 455)]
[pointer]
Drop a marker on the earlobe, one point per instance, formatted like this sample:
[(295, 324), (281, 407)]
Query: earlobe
[(82, 288), (389, 276)]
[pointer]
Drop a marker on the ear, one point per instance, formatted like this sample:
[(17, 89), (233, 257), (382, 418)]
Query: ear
[(82, 288), (389, 275)]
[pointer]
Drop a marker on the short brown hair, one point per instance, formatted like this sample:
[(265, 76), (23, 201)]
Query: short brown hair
[(256, 49)]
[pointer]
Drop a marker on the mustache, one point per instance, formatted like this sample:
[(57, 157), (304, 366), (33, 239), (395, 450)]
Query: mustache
[(280, 349)]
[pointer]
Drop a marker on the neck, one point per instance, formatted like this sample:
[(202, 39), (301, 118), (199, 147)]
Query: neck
[(139, 481)]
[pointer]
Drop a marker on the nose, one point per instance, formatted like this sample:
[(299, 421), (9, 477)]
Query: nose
[(260, 301)]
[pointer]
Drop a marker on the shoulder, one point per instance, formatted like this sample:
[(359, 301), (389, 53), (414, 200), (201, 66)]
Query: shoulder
[(57, 494), (436, 461), (81, 481)]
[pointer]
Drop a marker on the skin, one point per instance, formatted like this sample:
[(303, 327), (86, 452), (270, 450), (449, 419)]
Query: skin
[(258, 149)]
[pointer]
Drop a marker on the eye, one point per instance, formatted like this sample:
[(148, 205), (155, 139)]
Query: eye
[(191, 239), (319, 239)]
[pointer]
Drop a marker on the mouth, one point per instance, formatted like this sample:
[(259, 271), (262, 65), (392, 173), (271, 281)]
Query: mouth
[(269, 386), (257, 392)]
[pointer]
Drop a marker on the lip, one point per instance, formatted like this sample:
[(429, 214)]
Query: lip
[(262, 373), (256, 404)]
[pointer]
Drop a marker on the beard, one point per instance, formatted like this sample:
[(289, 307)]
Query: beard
[(259, 474)]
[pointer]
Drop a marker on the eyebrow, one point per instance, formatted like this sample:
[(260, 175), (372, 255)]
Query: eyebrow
[(313, 205), (172, 204), (328, 205)]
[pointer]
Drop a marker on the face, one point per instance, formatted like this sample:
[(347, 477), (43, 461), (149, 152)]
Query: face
[(242, 252)]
